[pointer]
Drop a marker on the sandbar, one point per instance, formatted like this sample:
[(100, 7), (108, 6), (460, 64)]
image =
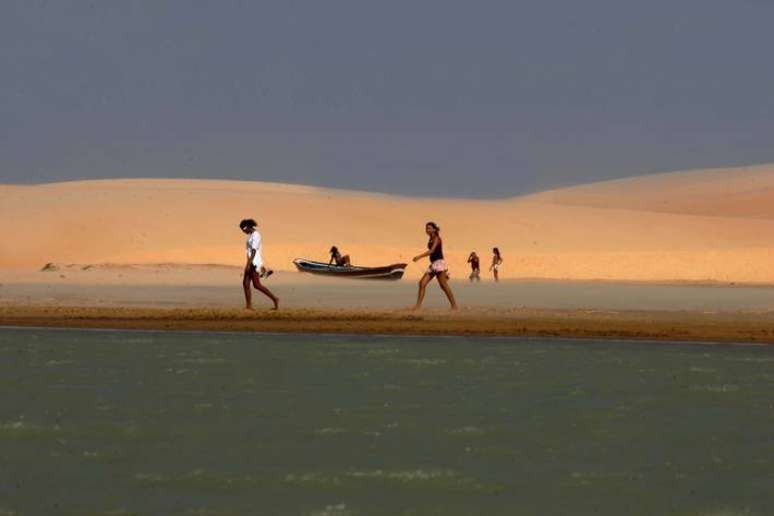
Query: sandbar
[(591, 324)]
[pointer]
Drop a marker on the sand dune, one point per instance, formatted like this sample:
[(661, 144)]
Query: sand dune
[(744, 192), (713, 225)]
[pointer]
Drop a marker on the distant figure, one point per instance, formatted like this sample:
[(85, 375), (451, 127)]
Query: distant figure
[(254, 269), (438, 268), (475, 269), (497, 260), (341, 261)]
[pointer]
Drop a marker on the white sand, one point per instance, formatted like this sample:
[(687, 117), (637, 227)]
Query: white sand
[(715, 225)]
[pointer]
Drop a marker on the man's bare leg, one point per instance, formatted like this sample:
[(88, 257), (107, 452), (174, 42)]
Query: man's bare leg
[(262, 288), (248, 294)]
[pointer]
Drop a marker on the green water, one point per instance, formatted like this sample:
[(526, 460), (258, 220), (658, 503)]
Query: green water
[(173, 423)]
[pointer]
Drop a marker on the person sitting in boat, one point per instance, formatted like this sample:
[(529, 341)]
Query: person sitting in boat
[(338, 258)]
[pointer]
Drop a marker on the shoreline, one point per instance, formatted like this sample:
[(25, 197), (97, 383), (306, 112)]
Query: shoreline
[(83, 271), (720, 327)]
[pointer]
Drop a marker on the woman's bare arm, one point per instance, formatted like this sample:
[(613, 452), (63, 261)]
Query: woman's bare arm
[(430, 251)]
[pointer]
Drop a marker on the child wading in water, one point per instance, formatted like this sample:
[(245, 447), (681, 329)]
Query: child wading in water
[(438, 268), (254, 269), (497, 260), (475, 267)]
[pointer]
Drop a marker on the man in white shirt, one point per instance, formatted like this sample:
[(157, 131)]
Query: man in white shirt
[(254, 268), (255, 251)]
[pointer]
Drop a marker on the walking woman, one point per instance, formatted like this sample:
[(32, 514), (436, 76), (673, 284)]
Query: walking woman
[(254, 269), (497, 260), (438, 268)]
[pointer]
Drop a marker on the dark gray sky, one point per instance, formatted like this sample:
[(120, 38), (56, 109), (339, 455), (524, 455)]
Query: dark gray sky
[(485, 99)]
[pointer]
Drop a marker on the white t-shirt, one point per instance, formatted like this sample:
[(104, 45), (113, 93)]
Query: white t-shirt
[(254, 241)]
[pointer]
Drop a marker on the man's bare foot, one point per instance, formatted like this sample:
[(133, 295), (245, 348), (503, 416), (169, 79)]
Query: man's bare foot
[(248, 307), (276, 304)]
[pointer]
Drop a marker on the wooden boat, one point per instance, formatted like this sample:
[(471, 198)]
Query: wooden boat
[(387, 272)]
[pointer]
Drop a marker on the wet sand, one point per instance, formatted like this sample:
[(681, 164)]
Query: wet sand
[(210, 286), (657, 326), (209, 298)]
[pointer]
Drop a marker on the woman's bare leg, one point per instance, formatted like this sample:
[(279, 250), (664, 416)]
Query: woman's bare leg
[(422, 287), (443, 281), (260, 287), (496, 276)]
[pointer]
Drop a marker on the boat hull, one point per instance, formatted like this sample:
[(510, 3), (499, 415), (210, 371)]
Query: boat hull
[(387, 272)]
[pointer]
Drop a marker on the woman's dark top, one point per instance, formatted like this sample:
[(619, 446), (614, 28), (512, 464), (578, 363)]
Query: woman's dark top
[(438, 253), (474, 263)]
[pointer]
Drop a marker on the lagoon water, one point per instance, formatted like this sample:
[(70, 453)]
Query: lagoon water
[(104, 422)]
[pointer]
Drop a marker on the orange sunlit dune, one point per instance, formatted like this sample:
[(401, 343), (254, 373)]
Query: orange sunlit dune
[(711, 225)]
